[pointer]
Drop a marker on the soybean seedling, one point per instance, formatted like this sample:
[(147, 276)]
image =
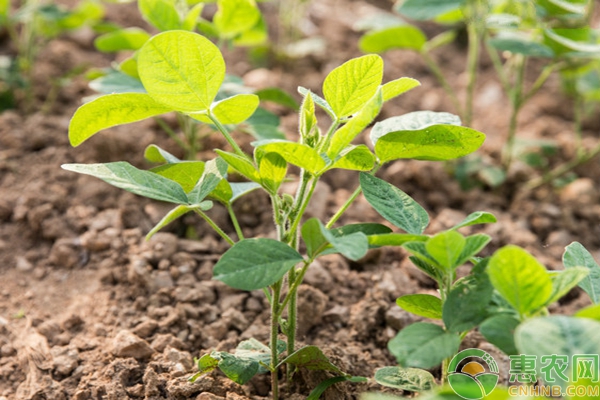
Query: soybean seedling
[(183, 71)]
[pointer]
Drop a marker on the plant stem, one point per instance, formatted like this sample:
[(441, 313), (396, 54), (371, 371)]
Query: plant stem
[(234, 219), (516, 100), (292, 309), (473, 28), (161, 122), (215, 227), (227, 136), (275, 314), (437, 71)]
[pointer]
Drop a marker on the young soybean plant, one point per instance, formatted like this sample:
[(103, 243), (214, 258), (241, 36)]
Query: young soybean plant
[(183, 71)]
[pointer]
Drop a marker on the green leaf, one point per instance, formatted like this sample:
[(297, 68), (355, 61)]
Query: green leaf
[(222, 192), (313, 237), (423, 345), (186, 173), (348, 87), (394, 205), (591, 312), (311, 358), (256, 36), (111, 110), (499, 330), (446, 248), (413, 121), (318, 101), (467, 303), (125, 176), (399, 137), (394, 239), (518, 44), (346, 134), (428, 267), (410, 379), (175, 213), (240, 164), (475, 218), (397, 87), (239, 370), (353, 244), (182, 70), (239, 189), (191, 18), (214, 172), (567, 336), (278, 96), (419, 250), (572, 40), (474, 244), (162, 14), (396, 37), (252, 349), (252, 264), (367, 228), (427, 9), (155, 154), (355, 158), (273, 169), (564, 281), (297, 154), (577, 256), (122, 39), (207, 363), (235, 16), (520, 279), (424, 305), (232, 110), (117, 82)]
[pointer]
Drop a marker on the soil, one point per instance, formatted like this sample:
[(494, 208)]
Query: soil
[(89, 310)]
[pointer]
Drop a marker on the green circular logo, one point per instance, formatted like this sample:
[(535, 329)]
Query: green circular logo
[(473, 374)]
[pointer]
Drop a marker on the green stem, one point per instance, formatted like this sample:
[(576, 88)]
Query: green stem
[(325, 143), (437, 71), (275, 314), (292, 309), (236, 224), (516, 99), (227, 136), (215, 227), (161, 122), (298, 216), (474, 31)]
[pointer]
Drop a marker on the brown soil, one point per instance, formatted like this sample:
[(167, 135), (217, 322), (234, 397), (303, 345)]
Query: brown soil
[(89, 310)]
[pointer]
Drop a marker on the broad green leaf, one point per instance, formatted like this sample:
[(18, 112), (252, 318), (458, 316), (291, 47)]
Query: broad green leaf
[(235, 16), (122, 39), (346, 134), (125, 176), (576, 40), (222, 192), (351, 242), (321, 102), (240, 370), (394, 239), (111, 110), (473, 245), (413, 121), (348, 87), (232, 110), (252, 264), (162, 14), (428, 267), (240, 164), (155, 154), (446, 248), (214, 172), (311, 358), (467, 303), (423, 345), (367, 228), (313, 237), (207, 363), (308, 128), (419, 250), (278, 96), (517, 44), (175, 214), (356, 158), (394, 205), (397, 87), (520, 279), (297, 154), (475, 218), (379, 396), (561, 335), (562, 7), (424, 305), (129, 67), (117, 82), (255, 36), (427, 9), (353, 246), (499, 330), (182, 70), (577, 256), (564, 281), (591, 312), (191, 18), (396, 37), (252, 349), (273, 169), (186, 173), (239, 189), (410, 379)]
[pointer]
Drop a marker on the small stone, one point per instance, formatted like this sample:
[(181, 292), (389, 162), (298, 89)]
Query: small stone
[(7, 350), (23, 264), (581, 191), (397, 318), (311, 306), (318, 277), (111, 218), (163, 245), (63, 254), (50, 329), (127, 344), (179, 357), (209, 396), (235, 319), (65, 359), (146, 328), (162, 279)]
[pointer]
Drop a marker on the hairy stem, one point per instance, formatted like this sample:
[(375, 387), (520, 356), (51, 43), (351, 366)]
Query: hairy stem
[(215, 227), (275, 314), (227, 136)]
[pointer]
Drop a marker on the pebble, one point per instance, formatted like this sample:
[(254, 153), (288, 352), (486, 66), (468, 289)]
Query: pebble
[(127, 344), (146, 328), (65, 359), (581, 191)]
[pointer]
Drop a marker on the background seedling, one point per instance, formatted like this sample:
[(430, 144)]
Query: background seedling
[(184, 72)]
